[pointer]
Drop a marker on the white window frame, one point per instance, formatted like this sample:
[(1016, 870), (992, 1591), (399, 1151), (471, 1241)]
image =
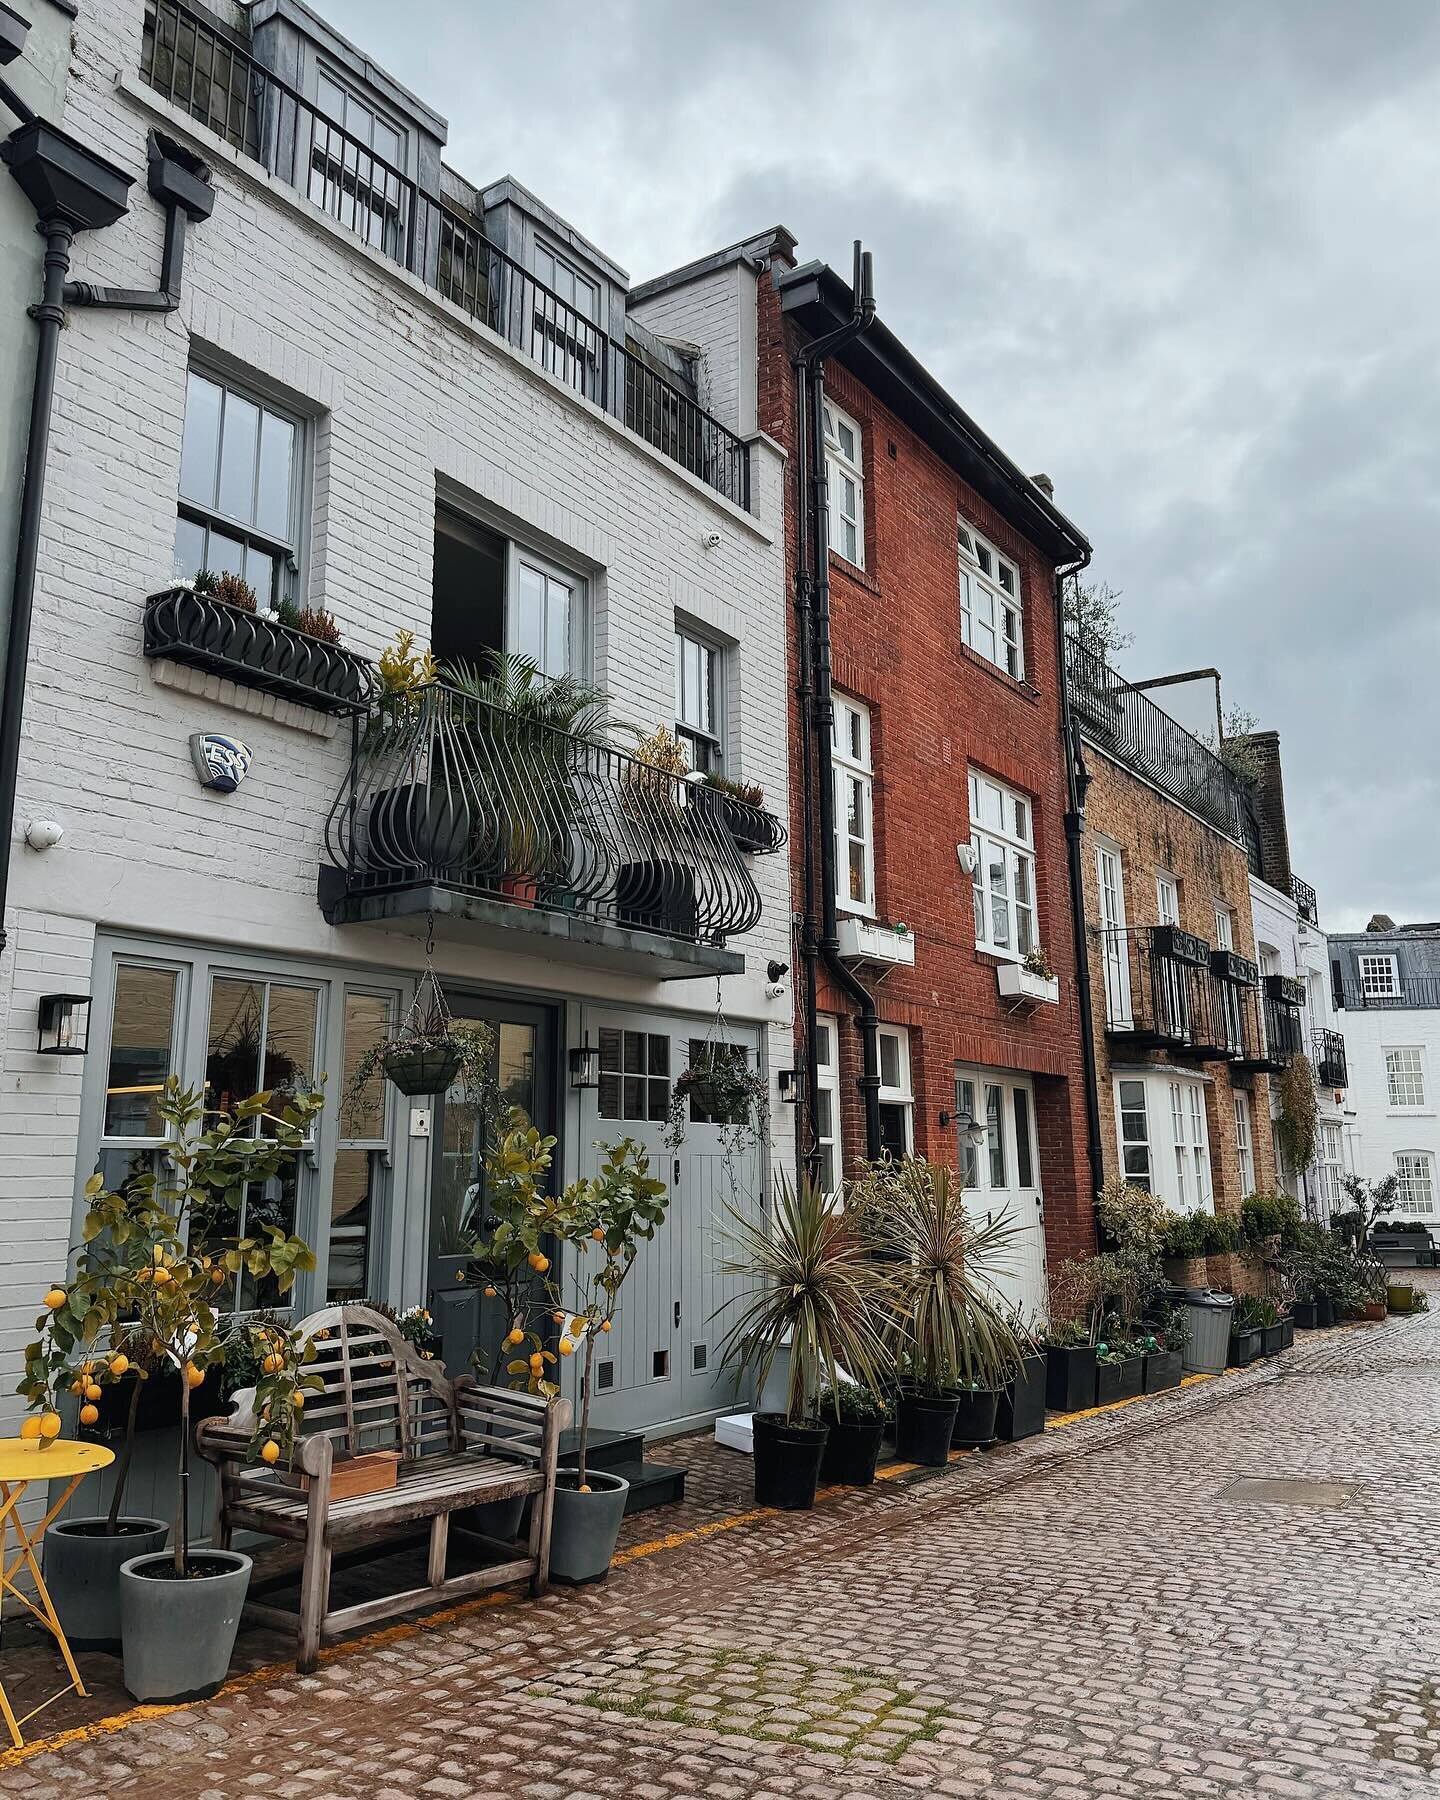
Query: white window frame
[(1114, 937), (1176, 1145), (1167, 898), (992, 606), (1406, 1087), (1379, 976), (1329, 1163), (827, 1081), (518, 559), (1224, 927), (700, 715), (1012, 848), (899, 1092), (1415, 1170), (847, 530), (1244, 1142), (852, 765), (282, 550)]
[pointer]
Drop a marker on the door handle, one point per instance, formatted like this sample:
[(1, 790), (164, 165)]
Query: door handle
[(677, 1315), (675, 1180)]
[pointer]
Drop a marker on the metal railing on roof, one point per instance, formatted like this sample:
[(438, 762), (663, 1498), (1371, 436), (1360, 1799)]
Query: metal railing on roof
[(1130, 727), (199, 68)]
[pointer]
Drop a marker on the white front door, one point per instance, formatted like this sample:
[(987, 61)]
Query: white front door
[(1002, 1180)]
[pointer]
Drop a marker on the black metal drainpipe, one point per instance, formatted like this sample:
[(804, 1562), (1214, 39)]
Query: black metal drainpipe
[(813, 607), (50, 316), (1076, 782)]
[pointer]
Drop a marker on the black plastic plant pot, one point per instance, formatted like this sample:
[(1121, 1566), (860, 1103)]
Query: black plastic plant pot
[(423, 1070), (1272, 1339), (852, 1451), (1287, 1333), (1324, 1311), (1244, 1348), (924, 1425), (1163, 1369), (1070, 1377), (414, 828), (1021, 1412), (974, 1426), (787, 1461), (159, 1408), (1121, 1380), (1306, 1315)]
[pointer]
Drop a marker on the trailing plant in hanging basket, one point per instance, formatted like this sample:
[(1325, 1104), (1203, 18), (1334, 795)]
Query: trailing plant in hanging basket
[(721, 1082), (429, 1052)]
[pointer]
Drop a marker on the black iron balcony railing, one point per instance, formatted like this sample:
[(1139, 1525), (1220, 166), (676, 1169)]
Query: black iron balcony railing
[(1235, 1008), (1328, 1055), (1411, 991), (1305, 901), (200, 68), (1284, 1024), (446, 789), (1157, 986), (1129, 726)]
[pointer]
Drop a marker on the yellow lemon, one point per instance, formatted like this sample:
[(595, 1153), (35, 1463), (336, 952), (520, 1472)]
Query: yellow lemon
[(77, 1387), (270, 1451), (55, 1299), (161, 1277), (604, 1324), (92, 1390), (537, 1362), (322, 1335), (218, 1275), (273, 1364), (489, 1295), (49, 1425), (517, 1336), (194, 1376), (598, 1235), (297, 1400), (118, 1365), (30, 1428), (584, 1488), (566, 1347), (89, 1414), (538, 1262)]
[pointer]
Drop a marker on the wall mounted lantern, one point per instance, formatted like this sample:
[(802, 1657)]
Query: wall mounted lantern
[(64, 1025), (585, 1066)]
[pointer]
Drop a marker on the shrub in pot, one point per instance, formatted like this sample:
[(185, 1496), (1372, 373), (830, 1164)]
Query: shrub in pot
[(856, 1417), (1119, 1370), (818, 1295), (154, 1269), (1069, 1365), (1165, 1350), (426, 1054), (975, 1416), (602, 1220), (1021, 1409), (946, 1325)]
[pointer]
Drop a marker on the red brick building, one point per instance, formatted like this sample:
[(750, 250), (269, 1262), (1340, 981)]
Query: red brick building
[(948, 773)]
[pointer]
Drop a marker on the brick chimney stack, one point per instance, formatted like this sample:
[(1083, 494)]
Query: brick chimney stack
[(1270, 809)]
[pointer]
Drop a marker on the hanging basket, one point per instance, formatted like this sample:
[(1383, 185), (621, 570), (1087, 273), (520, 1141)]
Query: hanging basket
[(422, 1068)]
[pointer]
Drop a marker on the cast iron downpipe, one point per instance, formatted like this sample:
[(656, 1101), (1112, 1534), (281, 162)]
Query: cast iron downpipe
[(1076, 782), (812, 601), (182, 183)]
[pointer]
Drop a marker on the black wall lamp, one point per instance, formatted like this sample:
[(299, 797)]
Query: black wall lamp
[(584, 1065), (790, 1086), (64, 1025)]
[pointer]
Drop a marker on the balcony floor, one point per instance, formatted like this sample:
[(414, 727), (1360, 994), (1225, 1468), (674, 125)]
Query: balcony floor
[(529, 931)]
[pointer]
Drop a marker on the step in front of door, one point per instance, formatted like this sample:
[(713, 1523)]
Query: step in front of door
[(604, 1449)]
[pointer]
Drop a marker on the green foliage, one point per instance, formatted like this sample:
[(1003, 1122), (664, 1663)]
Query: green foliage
[(1201, 1234), (735, 1096), (1269, 1215), (404, 669), (1103, 1296), (854, 1404), (818, 1291), (1092, 615), (746, 792), (1298, 1119), (471, 1040), (1134, 1220), (513, 685), (945, 1316)]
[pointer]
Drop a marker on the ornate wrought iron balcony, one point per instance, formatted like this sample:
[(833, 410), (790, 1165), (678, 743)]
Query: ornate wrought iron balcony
[(479, 813), (200, 68), (1157, 987), (1305, 901), (1329, 1060)]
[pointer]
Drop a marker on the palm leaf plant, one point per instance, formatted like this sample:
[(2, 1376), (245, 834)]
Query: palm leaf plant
[(816, 1291), (947, 1322)]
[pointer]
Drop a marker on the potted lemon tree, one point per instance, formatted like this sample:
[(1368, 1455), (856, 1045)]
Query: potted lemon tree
[(154, 1270), (602, 1220)]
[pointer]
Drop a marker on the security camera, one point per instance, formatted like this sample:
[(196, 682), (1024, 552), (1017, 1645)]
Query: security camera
[(711, 540), (44, 834)]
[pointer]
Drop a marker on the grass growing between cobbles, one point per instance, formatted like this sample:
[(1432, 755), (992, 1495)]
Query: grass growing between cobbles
[(770, 1697)]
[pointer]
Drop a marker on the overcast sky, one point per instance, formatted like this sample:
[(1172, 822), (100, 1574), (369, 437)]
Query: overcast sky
[(1181, 255)]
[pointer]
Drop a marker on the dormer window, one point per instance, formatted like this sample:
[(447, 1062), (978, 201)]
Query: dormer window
[(356, 166), (565, 280)]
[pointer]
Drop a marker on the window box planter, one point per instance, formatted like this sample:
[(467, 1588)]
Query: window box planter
[(862, 940), (1245, 1348), (1287, 1333), (256, 652), (1021, 1412), (1163, 1369), (1272, 1339), (1070, 1377), (974, 1427), (1306, 1314), (1016, 982), (1121, 1380)]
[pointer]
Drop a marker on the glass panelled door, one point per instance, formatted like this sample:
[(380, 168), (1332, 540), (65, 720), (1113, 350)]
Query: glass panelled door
[(1174, 985), (1001, 1176), (523, 1077), (1113, 947)]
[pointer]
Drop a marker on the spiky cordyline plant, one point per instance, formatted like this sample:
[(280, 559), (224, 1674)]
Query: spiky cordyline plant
[(819, 1290), (947, 1318)]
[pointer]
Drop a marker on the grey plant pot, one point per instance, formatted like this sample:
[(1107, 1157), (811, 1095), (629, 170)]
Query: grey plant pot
[(178, 1635), (82, 1572), (585, 1527), (497, 1519)]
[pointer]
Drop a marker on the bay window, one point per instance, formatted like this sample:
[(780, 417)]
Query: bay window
[(1002, 832), (1164, 1138)]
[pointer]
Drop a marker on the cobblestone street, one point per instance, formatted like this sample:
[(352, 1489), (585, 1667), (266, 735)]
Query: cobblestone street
[(1099, 1612)]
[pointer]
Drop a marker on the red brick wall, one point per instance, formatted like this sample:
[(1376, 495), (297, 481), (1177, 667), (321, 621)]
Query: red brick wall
[(935, 708)]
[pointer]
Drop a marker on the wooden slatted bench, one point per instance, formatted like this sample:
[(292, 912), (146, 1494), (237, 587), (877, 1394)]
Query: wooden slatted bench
[(459, 1445)]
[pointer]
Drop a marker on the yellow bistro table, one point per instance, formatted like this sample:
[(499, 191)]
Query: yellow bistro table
[(23, 1460)]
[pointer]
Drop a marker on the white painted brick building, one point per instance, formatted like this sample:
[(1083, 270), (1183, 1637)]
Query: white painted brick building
[(401, 401)]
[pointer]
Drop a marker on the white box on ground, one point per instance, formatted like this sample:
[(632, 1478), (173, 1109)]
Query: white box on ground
[(736, 1432)]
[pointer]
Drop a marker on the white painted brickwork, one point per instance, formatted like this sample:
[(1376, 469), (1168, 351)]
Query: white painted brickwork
[(404, 392), (715, 310)]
